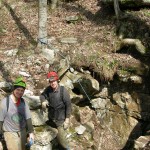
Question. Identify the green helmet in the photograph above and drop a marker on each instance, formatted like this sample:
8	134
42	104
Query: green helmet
19	82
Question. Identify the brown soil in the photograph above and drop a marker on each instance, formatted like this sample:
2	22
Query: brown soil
97	30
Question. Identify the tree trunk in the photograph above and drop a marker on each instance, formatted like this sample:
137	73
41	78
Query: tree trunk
42	35
54	4
129	3
116	8
0	3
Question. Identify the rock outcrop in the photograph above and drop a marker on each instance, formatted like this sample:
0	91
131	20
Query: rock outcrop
106	115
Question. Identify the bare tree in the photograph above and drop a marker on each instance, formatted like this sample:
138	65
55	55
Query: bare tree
117	9
42	33
54	4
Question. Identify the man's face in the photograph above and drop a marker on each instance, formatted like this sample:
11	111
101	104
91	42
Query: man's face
18	92
53	84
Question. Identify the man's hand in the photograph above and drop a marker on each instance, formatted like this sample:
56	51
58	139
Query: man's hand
30	140
31	136
44	105
66	123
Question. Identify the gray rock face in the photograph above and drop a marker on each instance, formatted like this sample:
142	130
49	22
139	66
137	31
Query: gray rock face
104	115
49	55
38	117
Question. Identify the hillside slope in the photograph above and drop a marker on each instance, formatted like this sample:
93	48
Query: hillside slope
96	29
92	45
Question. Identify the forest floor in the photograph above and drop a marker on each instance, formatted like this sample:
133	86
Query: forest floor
97	30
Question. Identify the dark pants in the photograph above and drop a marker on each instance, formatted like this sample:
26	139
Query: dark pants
61	136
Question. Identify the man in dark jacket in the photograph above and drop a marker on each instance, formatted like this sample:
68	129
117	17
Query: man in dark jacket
57	100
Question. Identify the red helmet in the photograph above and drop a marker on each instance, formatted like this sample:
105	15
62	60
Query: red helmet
52	76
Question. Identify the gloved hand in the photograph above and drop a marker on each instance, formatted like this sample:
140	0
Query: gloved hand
66	123
44	105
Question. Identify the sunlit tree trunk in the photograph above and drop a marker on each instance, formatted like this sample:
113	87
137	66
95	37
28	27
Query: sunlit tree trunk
0	3
42	33
116	8
54	4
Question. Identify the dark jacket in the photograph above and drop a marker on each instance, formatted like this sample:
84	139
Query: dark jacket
59	105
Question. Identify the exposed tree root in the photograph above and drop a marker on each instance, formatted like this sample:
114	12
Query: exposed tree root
129	42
